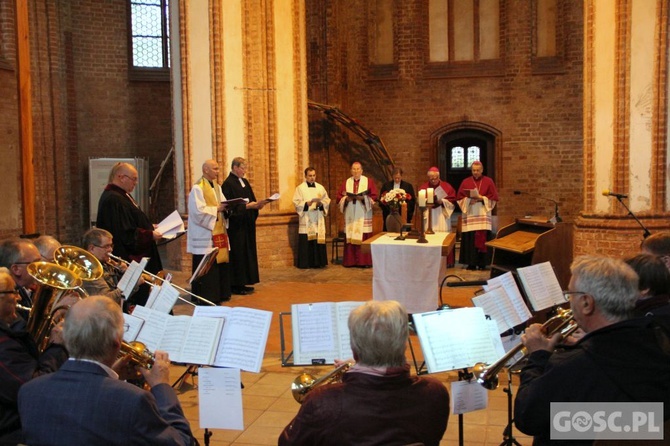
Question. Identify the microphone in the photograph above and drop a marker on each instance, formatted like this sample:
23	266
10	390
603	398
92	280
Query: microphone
556	216
608	193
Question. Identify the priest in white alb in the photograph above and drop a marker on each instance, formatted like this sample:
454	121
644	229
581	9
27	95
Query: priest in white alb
311	202
442	196
355	199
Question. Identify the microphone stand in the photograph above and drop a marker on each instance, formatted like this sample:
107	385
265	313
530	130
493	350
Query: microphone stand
644	228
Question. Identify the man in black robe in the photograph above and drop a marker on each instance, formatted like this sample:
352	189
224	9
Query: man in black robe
133	233
242	229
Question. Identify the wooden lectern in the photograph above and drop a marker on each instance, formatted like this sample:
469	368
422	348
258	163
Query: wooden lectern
529	241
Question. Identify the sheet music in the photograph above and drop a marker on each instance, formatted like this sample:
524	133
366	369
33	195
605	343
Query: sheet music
245	335
314	334
131	276
153	294
343	310
174	333
541	285
134	325
497	304
220	398
454	339
165	299
210	311
201	339
153	327
509	284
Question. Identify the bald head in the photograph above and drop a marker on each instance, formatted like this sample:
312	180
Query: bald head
124	175
210	170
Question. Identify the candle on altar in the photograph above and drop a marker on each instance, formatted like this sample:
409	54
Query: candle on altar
422	198
430	193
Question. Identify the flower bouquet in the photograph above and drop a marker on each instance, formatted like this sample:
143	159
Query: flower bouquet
395	198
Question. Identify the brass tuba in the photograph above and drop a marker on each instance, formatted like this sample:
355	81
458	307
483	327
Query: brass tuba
487	375
81	262
305	382
53	283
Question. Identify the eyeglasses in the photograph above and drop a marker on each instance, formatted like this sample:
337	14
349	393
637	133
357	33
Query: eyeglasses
107	246
133	179
568	294
9	292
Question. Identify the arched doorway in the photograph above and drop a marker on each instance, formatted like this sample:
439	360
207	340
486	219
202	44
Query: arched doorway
459	148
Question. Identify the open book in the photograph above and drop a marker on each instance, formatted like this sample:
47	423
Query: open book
457	339
224	337
503	302
320	332
541	286
171	226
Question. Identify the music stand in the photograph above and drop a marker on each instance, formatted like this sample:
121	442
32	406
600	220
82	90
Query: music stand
508	434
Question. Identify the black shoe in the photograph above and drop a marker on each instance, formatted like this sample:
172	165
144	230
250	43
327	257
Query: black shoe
240	291
471	268
250	289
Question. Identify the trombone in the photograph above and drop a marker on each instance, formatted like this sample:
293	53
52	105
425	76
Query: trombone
304	383
153	278
487	375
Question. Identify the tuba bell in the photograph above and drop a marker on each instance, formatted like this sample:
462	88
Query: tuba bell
79	261
305	383
53	283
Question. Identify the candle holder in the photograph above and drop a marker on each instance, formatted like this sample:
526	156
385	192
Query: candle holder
422	233
430	207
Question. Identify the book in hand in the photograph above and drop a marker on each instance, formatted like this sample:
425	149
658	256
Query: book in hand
320	332
233	337
474	193
503	302
171	226
457	339
237	200
541	286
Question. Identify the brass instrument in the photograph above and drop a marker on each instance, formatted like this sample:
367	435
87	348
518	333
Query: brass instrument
487	375
23	308
54	283
305	382
79	261
138	353
154	279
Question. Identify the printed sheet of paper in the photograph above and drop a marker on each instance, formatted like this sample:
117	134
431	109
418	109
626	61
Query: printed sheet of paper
153	327
131	276
244	337
497	304
541	285
134	325
509	284
171	226
455	339
314	336
164	299
468	396
220	398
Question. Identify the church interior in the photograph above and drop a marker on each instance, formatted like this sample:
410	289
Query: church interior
565	102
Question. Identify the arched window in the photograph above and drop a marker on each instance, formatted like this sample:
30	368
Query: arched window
457	157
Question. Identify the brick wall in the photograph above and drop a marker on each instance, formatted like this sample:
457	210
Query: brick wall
539	116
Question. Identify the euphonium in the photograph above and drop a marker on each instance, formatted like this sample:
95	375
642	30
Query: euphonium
79	261
487	375
54	282
305	382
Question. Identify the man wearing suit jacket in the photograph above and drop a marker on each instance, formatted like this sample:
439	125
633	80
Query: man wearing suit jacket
398	183
84	402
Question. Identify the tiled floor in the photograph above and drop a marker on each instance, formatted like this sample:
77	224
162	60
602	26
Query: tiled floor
267	401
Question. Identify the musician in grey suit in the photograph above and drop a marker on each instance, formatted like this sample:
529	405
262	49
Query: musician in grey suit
84	402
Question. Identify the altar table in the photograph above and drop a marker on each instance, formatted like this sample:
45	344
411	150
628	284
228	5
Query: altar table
407	271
